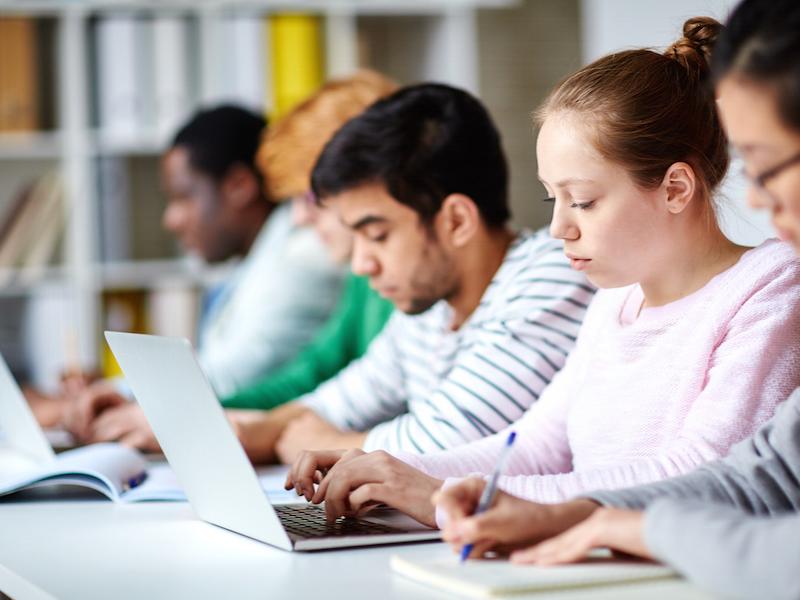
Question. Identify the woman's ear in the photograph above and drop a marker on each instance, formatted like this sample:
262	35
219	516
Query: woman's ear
458	220
239	187
680	184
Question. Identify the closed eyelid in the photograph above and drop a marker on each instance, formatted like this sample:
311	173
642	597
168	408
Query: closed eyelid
586	204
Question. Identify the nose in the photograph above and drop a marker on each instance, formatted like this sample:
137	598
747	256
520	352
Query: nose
562	226
362	261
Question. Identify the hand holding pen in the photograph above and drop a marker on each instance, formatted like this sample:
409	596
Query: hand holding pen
487	497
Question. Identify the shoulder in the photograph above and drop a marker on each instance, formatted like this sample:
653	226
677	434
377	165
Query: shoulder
771	266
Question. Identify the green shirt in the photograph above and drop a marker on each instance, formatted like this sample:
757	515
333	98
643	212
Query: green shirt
358	318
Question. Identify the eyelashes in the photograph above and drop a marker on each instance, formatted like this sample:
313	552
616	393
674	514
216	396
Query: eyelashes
582	205
578	205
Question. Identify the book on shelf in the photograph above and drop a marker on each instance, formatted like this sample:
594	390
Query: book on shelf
124	63
243	64
32	228
50	225
172	82
114	209
491	578
123	310
296	59
19	85
172	310
168	308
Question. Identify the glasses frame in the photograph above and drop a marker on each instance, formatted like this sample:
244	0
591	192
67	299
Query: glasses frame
760	181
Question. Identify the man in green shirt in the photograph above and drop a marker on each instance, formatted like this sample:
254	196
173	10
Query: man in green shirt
286	159
359	316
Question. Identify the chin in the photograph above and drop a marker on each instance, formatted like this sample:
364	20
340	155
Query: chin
416	306
608	281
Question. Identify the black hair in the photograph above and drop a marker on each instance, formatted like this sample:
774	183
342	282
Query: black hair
220	137
761	42
424	142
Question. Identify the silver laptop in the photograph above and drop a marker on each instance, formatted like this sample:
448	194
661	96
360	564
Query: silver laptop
211	466
19	430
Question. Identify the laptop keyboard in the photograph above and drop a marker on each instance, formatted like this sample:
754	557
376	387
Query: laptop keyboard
309	521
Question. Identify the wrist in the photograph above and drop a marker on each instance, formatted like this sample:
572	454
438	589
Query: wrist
258	440
430	513
557	518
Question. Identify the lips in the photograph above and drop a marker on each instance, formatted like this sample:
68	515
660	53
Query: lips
385	292
578	263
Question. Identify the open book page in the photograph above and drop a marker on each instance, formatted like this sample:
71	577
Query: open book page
488	578
13	462
107	468
162	485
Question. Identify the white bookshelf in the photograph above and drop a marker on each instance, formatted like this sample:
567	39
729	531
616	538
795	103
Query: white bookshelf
443	47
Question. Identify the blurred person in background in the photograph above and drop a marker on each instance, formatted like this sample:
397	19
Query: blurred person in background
285	159
275	299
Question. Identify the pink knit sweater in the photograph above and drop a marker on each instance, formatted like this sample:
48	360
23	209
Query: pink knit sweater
652	394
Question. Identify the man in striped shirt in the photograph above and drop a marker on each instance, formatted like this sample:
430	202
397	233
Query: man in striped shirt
486	316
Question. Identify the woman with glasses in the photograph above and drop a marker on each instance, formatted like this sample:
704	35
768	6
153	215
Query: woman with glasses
733	525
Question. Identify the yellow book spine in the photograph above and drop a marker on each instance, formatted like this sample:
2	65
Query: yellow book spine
296	58
125	310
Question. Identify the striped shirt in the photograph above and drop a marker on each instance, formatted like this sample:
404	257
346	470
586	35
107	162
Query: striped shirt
422	387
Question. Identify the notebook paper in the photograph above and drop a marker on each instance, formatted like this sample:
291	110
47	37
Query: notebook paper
492	578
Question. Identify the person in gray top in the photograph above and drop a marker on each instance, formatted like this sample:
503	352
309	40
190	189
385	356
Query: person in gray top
732	526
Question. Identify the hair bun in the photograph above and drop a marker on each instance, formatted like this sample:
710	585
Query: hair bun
693	50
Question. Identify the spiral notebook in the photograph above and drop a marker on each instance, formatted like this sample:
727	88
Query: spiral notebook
496	577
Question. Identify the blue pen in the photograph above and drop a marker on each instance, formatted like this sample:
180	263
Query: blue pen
487	497
134	481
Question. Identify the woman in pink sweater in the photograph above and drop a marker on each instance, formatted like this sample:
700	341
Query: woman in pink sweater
687	349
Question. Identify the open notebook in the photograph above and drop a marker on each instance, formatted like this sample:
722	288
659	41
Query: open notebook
27	461
120	474
491	578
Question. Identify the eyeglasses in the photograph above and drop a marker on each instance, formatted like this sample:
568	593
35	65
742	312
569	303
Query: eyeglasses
760	181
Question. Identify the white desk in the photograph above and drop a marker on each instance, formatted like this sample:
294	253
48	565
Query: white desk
96	549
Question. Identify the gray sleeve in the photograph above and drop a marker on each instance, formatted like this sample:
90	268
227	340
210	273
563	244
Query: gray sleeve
725	552
761	475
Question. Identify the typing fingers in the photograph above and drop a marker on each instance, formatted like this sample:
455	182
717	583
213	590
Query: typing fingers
110	426
307	468
333	470
92	402
367	496
339	484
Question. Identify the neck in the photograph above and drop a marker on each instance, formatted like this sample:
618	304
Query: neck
478	264
698	256
253	221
